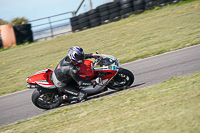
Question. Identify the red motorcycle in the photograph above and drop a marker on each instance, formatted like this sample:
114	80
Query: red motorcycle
46	95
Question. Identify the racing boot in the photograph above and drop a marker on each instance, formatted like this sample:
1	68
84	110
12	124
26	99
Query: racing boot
82	96
64	99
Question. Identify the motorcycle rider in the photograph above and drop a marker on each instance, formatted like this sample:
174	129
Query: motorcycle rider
66	77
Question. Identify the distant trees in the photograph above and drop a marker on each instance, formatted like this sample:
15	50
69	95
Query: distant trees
2	22
15	21
19	21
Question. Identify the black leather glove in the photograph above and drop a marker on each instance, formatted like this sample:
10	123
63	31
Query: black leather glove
95	56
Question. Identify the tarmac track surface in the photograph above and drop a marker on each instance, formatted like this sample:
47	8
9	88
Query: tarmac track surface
149	71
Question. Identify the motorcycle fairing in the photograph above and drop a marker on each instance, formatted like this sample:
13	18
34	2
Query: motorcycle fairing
106	79
85	70
45	84
106	68
42	71
42	78
98	88
87	73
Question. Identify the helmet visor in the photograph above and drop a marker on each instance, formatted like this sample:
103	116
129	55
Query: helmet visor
80	58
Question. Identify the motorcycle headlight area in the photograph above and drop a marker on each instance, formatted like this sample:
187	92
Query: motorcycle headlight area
108	62
117	63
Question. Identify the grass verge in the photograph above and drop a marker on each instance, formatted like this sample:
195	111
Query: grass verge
136	37
172	106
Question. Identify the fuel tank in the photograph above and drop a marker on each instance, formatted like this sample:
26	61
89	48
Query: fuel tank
85	70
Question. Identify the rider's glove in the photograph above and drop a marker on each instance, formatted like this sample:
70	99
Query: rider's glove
95	56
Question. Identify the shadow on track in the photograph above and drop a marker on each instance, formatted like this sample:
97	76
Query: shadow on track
113	92
105	94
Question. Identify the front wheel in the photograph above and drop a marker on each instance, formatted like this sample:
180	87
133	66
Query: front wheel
46	98
122	80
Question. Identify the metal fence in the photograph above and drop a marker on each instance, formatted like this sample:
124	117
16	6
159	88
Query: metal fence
52	26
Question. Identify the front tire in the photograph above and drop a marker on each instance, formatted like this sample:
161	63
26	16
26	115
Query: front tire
122	80
46	98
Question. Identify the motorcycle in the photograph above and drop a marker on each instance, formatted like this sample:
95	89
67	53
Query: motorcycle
46	95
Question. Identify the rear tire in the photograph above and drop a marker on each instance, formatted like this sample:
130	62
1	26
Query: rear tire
46	98
122	80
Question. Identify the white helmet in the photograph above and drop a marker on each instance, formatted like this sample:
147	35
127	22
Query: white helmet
76	54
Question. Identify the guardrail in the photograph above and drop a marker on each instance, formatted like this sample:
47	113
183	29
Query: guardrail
49	27
45	30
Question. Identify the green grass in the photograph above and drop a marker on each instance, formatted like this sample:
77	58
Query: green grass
170	107
139	36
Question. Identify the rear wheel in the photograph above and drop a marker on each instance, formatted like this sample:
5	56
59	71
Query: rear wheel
122	80
46	98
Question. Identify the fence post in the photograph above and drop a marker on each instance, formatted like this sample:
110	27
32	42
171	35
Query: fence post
50	27
79	6
90	4
73	13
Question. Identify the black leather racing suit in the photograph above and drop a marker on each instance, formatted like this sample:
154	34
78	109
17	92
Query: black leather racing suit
66	78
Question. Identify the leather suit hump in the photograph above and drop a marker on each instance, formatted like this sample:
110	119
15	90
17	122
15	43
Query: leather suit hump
62	70
66	71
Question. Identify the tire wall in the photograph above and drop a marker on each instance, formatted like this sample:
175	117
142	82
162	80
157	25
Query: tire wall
114	11
1	42
23	33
